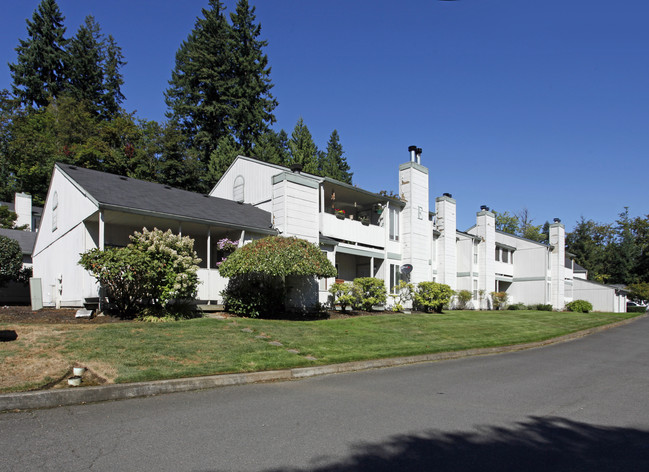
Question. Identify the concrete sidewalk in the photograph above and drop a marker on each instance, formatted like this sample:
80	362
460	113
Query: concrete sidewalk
80	395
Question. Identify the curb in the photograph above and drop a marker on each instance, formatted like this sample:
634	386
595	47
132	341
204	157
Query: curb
65	397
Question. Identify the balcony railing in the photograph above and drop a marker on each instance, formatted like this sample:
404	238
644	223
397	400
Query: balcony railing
351	230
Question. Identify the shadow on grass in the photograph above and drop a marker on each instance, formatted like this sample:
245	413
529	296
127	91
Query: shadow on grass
540	444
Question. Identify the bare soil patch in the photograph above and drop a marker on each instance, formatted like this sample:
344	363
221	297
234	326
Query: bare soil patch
24	314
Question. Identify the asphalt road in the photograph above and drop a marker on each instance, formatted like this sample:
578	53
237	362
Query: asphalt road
577	406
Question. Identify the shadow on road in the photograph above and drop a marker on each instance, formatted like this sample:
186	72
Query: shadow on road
540	444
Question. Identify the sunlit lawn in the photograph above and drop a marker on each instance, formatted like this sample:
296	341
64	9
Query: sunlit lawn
129	352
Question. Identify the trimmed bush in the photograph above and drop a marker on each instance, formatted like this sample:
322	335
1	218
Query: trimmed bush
342	294
463	299
499	300
368	292
636	309
431	296
517	306
540	307
579	306
254	295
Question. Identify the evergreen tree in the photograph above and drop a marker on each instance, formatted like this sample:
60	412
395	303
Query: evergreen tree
272	147
113	80
303	149
177	166
624	252
226	151
590	243
254	104
38	74
334	163
200	96
84	66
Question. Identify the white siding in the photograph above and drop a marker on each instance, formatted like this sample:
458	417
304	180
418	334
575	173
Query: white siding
257	185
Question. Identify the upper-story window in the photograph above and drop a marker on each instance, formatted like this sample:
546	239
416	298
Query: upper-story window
497	253
55	209
237	189
505	257
475	253
394	224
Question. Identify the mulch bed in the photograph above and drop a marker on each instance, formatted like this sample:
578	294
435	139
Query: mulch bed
24	314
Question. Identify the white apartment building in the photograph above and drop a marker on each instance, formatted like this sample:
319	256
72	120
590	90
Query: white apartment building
362	233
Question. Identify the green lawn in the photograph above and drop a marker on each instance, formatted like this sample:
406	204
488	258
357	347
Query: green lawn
130	352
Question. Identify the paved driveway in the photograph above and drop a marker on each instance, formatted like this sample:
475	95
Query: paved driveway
581	405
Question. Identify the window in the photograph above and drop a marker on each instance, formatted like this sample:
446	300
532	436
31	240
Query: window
55	206
237	190
395	276
497	253
475	253
394	224
475	289
505	254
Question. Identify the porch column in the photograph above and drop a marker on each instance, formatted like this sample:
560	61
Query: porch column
371	266
242	237
102	228
322	199
209	263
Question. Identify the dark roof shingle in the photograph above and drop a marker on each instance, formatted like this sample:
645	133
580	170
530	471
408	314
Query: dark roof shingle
132	195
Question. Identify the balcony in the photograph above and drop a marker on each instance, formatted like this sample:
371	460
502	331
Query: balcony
351	230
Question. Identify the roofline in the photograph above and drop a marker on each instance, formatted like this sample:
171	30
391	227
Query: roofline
318	178
136	211
548	246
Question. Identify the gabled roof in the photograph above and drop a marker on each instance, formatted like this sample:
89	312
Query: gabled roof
114	192
25	239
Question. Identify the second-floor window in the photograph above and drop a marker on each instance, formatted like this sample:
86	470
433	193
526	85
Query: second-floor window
394	224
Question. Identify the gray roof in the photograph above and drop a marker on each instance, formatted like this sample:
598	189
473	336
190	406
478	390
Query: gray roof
25	239
120	193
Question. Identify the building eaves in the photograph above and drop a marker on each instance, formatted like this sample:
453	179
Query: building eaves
114	192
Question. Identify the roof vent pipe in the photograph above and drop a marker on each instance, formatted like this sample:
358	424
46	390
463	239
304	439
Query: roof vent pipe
418	155
412	150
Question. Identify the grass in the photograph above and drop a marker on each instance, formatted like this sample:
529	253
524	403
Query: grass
131	352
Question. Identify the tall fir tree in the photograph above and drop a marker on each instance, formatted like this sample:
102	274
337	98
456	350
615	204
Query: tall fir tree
253	101
84	66
303	149
272	147
38	74
199	97
113	79
334	163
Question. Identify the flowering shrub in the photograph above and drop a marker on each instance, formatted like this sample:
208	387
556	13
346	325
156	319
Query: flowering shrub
225	247
154	269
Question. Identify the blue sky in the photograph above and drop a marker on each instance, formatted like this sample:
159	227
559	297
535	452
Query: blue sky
535	104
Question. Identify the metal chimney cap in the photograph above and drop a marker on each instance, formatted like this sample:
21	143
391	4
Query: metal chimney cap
557	220
447	195
484	207
412	148
297	167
